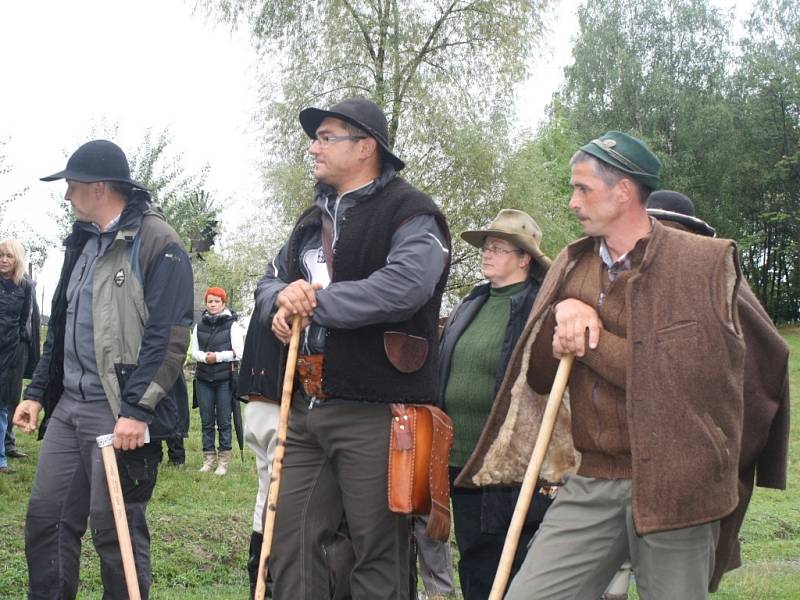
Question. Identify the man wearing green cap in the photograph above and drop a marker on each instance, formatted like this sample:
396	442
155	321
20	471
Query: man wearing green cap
650	449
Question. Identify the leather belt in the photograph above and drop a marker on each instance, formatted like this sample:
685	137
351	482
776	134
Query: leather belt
260	398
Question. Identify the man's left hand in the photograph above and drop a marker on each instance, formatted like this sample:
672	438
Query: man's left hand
573	320
129	434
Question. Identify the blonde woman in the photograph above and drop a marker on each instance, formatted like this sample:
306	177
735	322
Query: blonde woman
15	305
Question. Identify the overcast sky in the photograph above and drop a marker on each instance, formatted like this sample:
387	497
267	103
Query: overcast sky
70	65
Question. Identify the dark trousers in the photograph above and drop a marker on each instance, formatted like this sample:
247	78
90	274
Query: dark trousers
336	464
9	439
69	489
214	400
481	518
175	450
14	393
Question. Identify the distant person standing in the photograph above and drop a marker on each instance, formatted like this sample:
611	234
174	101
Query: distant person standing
217	342
15	304
113	362
28	359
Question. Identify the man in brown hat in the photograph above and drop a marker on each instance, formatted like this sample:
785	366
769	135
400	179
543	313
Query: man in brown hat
364	266
655	392
765	425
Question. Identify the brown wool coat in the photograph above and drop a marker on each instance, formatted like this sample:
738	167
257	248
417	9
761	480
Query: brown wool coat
683	386
765	436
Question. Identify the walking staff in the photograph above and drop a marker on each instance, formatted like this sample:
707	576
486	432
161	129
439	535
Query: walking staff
106	445
277	461
531	477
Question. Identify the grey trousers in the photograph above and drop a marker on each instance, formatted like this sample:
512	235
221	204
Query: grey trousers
588	533
435	561
336	465
69	489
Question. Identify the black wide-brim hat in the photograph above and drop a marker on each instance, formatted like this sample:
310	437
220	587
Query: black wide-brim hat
98	160
360	112
667	205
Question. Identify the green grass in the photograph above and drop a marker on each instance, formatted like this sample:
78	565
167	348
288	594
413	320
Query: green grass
199	523
200	526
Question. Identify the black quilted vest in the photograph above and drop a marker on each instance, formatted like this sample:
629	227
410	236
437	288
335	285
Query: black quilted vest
214	335
356	365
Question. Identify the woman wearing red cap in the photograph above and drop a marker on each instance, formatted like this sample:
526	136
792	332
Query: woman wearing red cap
217	342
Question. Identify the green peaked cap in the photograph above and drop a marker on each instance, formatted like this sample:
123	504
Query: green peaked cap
628	154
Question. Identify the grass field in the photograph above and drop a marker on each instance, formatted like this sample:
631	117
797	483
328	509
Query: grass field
200	526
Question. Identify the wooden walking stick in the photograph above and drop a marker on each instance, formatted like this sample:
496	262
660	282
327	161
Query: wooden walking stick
277	461
106	445
531	478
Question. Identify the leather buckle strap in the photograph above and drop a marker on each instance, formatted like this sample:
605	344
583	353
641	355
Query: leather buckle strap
309	375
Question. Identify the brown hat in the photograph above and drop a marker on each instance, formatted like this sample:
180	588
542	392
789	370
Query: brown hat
514	226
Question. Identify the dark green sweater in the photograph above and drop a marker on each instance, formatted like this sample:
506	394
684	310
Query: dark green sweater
473	371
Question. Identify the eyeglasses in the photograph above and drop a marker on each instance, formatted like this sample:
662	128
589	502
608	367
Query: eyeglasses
327	140
495	249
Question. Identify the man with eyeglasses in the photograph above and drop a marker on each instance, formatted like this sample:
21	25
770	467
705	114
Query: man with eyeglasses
364	268
655	393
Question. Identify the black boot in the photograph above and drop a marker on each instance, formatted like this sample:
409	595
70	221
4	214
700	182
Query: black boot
256	539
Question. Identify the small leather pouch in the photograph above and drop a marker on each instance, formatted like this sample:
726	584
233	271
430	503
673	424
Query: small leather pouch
309	375
407	353
419	451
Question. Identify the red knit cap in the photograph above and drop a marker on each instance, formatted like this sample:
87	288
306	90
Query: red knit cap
216	291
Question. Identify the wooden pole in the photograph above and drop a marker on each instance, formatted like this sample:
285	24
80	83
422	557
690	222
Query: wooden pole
106	445
277	461
531	478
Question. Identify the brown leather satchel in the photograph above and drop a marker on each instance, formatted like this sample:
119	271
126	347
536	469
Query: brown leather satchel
419	452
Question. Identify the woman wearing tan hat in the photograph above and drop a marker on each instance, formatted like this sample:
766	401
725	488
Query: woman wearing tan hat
476	345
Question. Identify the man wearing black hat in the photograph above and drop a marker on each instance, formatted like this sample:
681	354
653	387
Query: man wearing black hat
765	434
365	268
650	448
112	362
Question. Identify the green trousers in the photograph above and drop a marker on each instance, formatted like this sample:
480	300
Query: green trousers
588	533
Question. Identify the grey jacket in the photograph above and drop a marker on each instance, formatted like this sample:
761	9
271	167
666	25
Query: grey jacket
120	321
